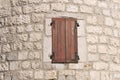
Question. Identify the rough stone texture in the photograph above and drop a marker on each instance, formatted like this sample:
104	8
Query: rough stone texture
26	43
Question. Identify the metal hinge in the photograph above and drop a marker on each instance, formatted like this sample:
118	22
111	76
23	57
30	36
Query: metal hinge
51	24
76	56
77	24
52	56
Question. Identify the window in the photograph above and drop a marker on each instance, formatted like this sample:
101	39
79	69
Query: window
64	40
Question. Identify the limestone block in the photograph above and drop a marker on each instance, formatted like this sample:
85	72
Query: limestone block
5	8
23	37
6	48
42	8
107	31
27	9
28	45
117	24
16	10
22	55
12	56
109	21
103	39
82	75
94	29
52	74
25	65
35	36
72	8
102	4
34	1
91	38
25	75
86	9
67	72
93	57
105	75
34	54
1	76
92	2
114	67
38	27
29	28
37	17
112	50
39	74
82	52
81	28
106	12
78	1
105	57
4	66
36	64
58	66
92	19
20	29
38	45
58	7
94	75
14	65
100	65
114	42
102	48
92	48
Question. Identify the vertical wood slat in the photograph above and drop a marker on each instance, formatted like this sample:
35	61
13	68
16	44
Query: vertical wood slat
58	40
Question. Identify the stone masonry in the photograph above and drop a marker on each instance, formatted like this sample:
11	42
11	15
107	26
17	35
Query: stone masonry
25	39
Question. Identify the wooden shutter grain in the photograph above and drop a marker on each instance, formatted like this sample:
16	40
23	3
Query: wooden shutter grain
58	40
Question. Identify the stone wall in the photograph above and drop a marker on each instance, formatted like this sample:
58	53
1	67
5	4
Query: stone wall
25	39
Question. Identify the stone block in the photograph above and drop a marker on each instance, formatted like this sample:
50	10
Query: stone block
92	2
29	28
86	9
52	74
76	66
22	55
94	75
105	57
20	29
105	75
34	1
93	57
37	64
58	6
82	75
92	19
4	66
67	72
94	29
100	66
42	8
39	74
25	65
102	4
114	42
37	17
78	1
107	31
23	37
72	8
28	45
114	67
16	10
25	75
109	21
112	50
91	38
38	27
106	12
27	9
103	39
102	48
6	48
35	36
14	65
92	48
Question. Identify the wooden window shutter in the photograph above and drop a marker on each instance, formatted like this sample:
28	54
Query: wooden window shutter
64	40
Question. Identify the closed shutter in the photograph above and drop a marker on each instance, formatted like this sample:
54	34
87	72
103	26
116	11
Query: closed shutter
64	40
